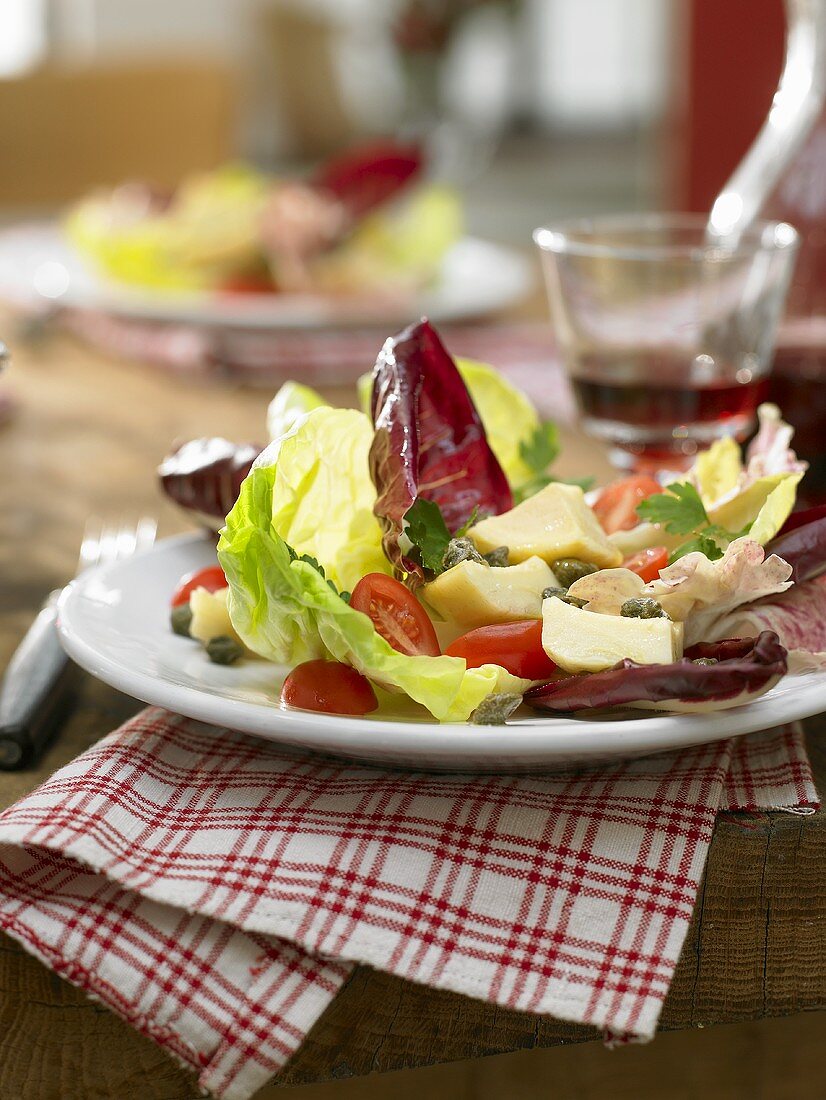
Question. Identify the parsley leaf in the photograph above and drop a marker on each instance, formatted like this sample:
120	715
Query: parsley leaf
469	522
679	509
681	512
711	541
585	483
541	449
319	568
425	526
538	453
703	543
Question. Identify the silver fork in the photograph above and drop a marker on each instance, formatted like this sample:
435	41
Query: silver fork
31	688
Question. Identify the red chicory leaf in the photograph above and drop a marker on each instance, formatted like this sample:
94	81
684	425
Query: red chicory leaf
370	175
803	547
801	518
204	477
429	441
745	666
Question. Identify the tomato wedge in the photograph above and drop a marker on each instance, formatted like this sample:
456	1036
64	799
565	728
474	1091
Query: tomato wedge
648	563
253	282
328	686
616	505
515	646
212	578
397	615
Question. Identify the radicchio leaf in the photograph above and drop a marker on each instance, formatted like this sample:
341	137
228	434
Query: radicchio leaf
364	178
803	546
744	668
429	441
801	518
204	477
798	617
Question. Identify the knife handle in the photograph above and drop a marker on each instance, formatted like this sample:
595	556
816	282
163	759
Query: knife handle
31	689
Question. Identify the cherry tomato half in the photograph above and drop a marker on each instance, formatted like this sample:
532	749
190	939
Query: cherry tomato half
648	563
397	615
248	283
515	646
328	686
616	505
212	578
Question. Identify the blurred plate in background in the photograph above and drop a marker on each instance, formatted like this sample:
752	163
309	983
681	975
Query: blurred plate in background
39	268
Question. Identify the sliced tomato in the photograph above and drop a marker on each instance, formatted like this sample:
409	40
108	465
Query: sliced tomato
616	505
212	578
328	686
397	615
515	646
249	283
648	563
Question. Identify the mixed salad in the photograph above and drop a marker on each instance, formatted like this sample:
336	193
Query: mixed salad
422	545
363	221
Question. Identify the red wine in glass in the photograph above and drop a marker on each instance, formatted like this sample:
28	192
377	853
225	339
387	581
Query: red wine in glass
659	407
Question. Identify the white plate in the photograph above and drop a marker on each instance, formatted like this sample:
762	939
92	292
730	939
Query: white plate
37	264
114	621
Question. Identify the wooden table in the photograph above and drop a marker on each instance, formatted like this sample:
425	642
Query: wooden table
87	437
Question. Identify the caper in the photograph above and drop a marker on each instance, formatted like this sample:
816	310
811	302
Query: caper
180	619
498	558
705	661
562	594
496	709
568	570
459	550
223	650
643	607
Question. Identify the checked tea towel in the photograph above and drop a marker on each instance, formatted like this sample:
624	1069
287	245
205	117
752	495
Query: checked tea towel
216	890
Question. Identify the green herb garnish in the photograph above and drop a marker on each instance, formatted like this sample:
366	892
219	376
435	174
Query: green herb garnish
319	568
541	449
538	453
681	512
679	509
425	526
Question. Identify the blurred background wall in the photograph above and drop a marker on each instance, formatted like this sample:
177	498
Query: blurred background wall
564	106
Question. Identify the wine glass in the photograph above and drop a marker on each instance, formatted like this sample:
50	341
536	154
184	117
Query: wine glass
666	335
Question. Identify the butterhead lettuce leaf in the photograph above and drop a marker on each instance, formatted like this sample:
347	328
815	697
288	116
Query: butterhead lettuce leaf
322	499
284	610
289	405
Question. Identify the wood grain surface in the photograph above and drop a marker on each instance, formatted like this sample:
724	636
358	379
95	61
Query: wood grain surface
86	439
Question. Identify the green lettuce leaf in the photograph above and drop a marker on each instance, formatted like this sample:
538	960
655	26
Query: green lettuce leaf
323	498
284	610
289	405
761	508
209	232
511	422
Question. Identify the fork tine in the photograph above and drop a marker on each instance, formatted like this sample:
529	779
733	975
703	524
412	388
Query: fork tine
107	542
125	541
90	544
145	533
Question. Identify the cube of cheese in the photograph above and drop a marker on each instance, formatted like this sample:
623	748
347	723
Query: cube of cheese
210	616
579	640
472	594
554	523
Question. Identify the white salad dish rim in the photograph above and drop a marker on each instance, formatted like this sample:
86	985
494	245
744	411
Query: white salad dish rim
113	621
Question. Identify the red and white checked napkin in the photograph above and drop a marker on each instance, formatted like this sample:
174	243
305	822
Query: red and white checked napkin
216	890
